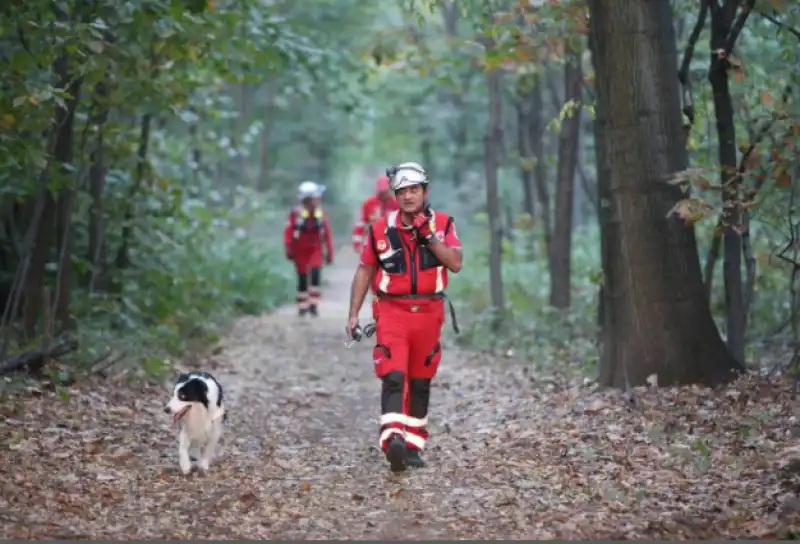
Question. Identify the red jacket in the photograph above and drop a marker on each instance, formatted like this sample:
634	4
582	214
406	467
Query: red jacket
371	209
305	234
407	268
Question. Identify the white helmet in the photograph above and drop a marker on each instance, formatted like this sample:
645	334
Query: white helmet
309	189
406	175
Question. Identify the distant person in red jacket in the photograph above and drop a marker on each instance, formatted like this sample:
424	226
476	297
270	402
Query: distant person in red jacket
374	206
407	256
307	232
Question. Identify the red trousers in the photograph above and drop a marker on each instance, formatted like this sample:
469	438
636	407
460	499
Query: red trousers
306	258
406	358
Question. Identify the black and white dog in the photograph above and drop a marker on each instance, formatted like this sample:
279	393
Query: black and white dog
196	404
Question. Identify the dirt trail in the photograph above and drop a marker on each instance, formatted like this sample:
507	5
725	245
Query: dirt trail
507	460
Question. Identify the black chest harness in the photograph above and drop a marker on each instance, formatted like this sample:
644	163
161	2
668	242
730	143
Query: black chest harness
395	263
306	222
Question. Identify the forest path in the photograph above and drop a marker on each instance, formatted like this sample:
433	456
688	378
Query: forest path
509	457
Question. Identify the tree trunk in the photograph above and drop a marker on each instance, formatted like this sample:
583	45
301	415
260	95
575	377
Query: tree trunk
586	198
537	128
569	137
41	228
264	142
722	20
263	159
458	126
656	318
196	141
459	135
524	104
426	149
494	138
98	246
97	181
122	260
11	251
41	234
603	202
243	124
63	153
508	224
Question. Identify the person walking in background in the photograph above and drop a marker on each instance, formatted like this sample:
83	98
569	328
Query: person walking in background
306	237
374	206
407	256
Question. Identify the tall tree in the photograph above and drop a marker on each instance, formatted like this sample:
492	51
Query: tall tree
540	173
493	146
569	137
725	29
525	88
458	127
656	320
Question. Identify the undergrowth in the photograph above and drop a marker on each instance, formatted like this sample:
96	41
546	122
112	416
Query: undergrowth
194	269
532	331
541	335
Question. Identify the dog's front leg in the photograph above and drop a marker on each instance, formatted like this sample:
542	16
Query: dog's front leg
184	460
208	449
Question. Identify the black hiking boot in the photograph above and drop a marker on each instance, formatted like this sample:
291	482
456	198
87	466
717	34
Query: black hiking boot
396	453
414	460
313	310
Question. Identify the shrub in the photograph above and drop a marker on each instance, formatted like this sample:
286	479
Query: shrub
536	332
193	271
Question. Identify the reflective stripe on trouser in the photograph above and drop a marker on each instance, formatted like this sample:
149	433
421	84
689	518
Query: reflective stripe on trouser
391	424
412	429
314	296
419	395
393	417
404	404
302	300
416	433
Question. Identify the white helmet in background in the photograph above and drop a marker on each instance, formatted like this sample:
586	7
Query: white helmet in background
406	175
308	189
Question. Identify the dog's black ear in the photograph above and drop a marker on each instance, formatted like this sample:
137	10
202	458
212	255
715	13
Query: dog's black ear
184	377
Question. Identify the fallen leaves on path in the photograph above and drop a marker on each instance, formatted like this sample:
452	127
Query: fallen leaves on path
684	463
513	455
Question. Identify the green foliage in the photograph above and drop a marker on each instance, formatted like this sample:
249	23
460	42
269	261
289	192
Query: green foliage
544	336
195	271
534	331
192	128
763	67
192	108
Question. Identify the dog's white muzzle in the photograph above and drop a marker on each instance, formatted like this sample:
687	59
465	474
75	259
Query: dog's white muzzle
178	409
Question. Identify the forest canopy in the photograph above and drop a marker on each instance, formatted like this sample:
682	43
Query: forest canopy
137	136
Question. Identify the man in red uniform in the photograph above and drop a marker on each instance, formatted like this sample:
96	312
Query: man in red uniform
373	207
407	255
307	230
